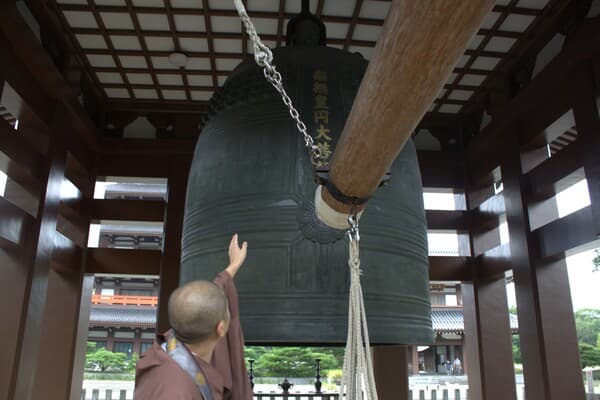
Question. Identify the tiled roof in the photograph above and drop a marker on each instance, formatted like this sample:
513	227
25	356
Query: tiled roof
135	317
447	320
444	319
451	320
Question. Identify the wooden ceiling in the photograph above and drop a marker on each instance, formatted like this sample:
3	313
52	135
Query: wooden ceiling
124	45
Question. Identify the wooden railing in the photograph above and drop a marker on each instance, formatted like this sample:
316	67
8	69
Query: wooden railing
107	394
295	396
125	300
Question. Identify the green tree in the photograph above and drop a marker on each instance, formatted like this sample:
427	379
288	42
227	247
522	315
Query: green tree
297	362
90	347
129	365
337	352
589	355
516	349
255	352
596	260
104	359
587	322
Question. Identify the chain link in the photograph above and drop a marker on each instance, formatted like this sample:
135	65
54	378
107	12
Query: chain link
353	232
264	58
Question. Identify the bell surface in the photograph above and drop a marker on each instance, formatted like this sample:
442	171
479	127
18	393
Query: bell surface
251	174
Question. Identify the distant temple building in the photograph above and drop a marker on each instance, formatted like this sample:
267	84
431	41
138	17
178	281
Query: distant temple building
123	313
123	319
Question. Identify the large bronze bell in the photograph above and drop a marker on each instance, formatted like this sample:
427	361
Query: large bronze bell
251	174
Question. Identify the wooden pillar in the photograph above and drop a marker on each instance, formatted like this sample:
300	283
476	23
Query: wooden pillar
12	298
465	362
171	256
585	109
41	241
58	335
546	323
60	328
487	340
16	258
85	307
390	367
414	353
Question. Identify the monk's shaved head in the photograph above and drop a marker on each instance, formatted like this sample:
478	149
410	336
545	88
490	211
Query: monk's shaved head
195	309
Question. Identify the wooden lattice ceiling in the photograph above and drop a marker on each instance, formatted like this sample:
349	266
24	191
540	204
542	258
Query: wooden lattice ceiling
124	44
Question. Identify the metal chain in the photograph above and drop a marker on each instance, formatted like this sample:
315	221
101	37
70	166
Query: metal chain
353	232
358	364
264	58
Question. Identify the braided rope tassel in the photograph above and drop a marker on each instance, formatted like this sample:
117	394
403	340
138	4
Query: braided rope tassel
358	380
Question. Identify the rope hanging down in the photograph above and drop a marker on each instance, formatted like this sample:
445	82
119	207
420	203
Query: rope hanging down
358	382
357	375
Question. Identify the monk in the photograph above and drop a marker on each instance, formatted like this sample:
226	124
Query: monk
202	356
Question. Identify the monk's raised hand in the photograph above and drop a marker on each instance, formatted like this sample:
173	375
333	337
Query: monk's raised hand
237	255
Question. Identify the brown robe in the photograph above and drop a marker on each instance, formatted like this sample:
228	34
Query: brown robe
158	377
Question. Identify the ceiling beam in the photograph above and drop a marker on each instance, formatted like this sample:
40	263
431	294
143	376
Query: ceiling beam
445	268
567	233
127	210
123	261
447	220
547	179
13	222
546	91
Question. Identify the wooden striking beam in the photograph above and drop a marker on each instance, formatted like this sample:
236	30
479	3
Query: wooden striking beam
127	210
123	261
382	119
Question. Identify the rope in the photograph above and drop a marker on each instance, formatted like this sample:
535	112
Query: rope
358	382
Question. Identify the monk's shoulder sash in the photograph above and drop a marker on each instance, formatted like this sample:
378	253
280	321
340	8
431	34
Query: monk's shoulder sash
182	356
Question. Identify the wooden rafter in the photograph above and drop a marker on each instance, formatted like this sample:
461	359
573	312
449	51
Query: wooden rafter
458	96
